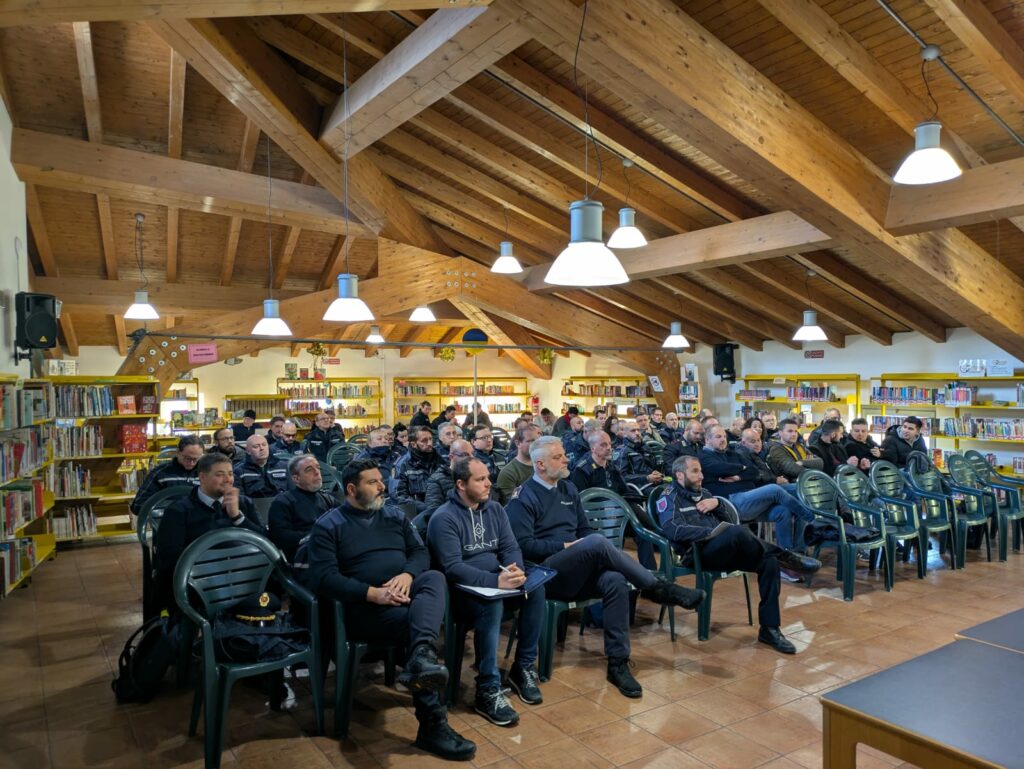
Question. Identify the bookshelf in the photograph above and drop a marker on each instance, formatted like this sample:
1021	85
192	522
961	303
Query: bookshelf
809	394
183	391
357	401
26	426
503	398
100	453
588	392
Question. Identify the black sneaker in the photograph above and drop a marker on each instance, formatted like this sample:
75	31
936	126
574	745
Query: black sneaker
664	592
774	638
436	736
423	672
494	706
526	683
801	564
620	675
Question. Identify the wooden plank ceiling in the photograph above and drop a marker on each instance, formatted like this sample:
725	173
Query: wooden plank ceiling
466	127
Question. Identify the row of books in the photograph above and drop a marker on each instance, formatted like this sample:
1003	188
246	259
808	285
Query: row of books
192	418
312	407
448	389
326	390
689	391
408	390
755	394
977	427
267	405
77	441
903	396
605	391
72	480
73	521
18	557
880	424
131	475
21	407
20	506
959	395
816	394
24	451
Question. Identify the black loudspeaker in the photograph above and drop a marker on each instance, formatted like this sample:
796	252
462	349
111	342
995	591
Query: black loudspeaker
36	327
725	366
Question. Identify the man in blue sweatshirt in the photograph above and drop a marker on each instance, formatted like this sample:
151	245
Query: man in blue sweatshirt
370	558
552	528
472	541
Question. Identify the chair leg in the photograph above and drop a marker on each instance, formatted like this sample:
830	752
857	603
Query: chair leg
316	686
889	564
849	571
211	708
224	696
988	542
547	642
197	706
671	620
345	686
1004	534
704	611
1018	526
922	552
661	614
457	655
512	634
746	592
961	543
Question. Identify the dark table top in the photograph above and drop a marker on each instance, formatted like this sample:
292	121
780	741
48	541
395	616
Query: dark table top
1006	632
966	696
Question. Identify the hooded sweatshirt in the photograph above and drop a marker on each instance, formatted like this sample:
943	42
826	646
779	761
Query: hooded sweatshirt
472	544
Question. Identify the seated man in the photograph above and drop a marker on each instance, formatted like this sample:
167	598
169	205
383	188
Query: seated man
726	475
552	529
408	485
596	469
472	542
519	468
564	423
647	431
574	439
829	447
369	557
275	426
180	471
447	415
293	512
246	428
669	429
483	449
831	414
260	475
787	457
323	437
861	445
751	450
440	483
688	444
447	433
224	443
378	448
286	443
688	513
735	431
631	460
215	503
900	441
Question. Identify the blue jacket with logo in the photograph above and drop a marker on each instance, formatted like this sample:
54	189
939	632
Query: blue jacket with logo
543	520
471	546
259	482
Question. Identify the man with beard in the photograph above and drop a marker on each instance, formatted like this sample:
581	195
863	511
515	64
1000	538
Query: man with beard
408	484
647	431
370	558
483	449
286	443
378	448
260	475
688	444
900	441
472	541
631	460
224	444
293	512
553	530
690	515
574	440
519	468
441	482
322	438
670	428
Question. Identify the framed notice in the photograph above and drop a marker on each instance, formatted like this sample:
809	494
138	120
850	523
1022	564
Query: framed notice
656	384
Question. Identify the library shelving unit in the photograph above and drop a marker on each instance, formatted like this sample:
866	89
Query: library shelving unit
183	391
265	405
960	412
100	452
183	396
26	425
356	401
588	392
503	398
688	405
812	394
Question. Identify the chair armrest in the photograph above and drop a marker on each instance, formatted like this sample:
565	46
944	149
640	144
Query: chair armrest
967	490
870	512
833	518
294	588
906	504
1017	482
931	495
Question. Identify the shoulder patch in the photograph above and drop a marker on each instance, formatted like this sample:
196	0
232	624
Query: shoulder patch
662	504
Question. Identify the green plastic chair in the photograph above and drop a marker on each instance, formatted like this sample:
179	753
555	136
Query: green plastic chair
820	494
339	456
936	512
148	521
347	656
655	453
963	475
901	521
671	564
166	455
967	505
502	440
360	440
217	571
1011	517
331	478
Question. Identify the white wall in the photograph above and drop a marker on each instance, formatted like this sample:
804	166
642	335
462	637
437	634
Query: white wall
13	266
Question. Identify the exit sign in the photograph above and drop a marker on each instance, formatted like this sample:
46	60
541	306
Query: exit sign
814	353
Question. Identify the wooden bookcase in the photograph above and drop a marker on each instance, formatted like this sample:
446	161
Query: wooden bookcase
503	398
357	401
783	392
587	392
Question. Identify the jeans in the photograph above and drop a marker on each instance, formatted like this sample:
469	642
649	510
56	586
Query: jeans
484	617
778	505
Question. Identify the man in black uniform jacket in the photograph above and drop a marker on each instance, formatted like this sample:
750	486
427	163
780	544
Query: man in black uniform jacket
293	512
260	475
180	471
447	433
631	460
483	449
247	427
322	438
286	442
441	482
408	483
688	444
369	557
552	529
224	443
422	416
215	503
688	514
448	415
378	448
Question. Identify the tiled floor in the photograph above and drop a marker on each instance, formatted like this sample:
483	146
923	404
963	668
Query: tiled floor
726	703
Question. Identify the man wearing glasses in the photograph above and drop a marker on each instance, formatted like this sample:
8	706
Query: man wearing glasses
286	442
180	471
483	449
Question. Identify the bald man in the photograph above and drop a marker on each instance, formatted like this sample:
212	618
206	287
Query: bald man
259	474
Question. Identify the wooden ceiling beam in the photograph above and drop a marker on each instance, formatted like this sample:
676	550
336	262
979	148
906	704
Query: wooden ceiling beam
21	12
65	163
87	76
304	49
448	337
172	244
284	260
604	309
246	159
47	261
107	236
450	48
503	331
647	302
763	237
356	30
120	334
722	105
176	111
417	334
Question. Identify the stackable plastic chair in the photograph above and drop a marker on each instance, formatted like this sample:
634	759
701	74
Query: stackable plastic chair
347	656
339	456
148	521
927	482
1005	516
936	512
1011	518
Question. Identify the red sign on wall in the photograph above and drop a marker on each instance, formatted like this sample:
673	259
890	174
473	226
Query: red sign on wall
332	361
202	353
814	353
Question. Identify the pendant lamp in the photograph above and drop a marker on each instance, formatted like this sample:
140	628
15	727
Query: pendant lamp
422	314
271	324
506	263
141	309
375	336
348	307
675	339
627	235
586	261
810	331
928	163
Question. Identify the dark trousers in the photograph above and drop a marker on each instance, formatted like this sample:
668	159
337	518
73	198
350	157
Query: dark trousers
484	617
417	622
595	568
738	548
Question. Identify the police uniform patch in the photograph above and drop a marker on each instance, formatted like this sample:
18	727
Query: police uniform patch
662	504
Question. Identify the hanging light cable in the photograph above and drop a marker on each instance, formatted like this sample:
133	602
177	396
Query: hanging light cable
929	163
348	307
271	324
141	309
506	263
627	235
810	331
586	261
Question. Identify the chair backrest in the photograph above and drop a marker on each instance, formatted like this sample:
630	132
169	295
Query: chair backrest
284	456
818	492
152	511
607	513
501	438
166	455
887	479
331	478
342	454
925	475
655	453
359	439
223	567
962	472
853	484
981	466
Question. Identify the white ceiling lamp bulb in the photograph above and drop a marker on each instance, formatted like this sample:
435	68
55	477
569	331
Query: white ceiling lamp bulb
627	235
422	314
586	261
928	163
675	339
141	309
348	307
375	336
506	263
810	331
271	324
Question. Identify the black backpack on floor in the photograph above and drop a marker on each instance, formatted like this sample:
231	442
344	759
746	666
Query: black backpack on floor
144	661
